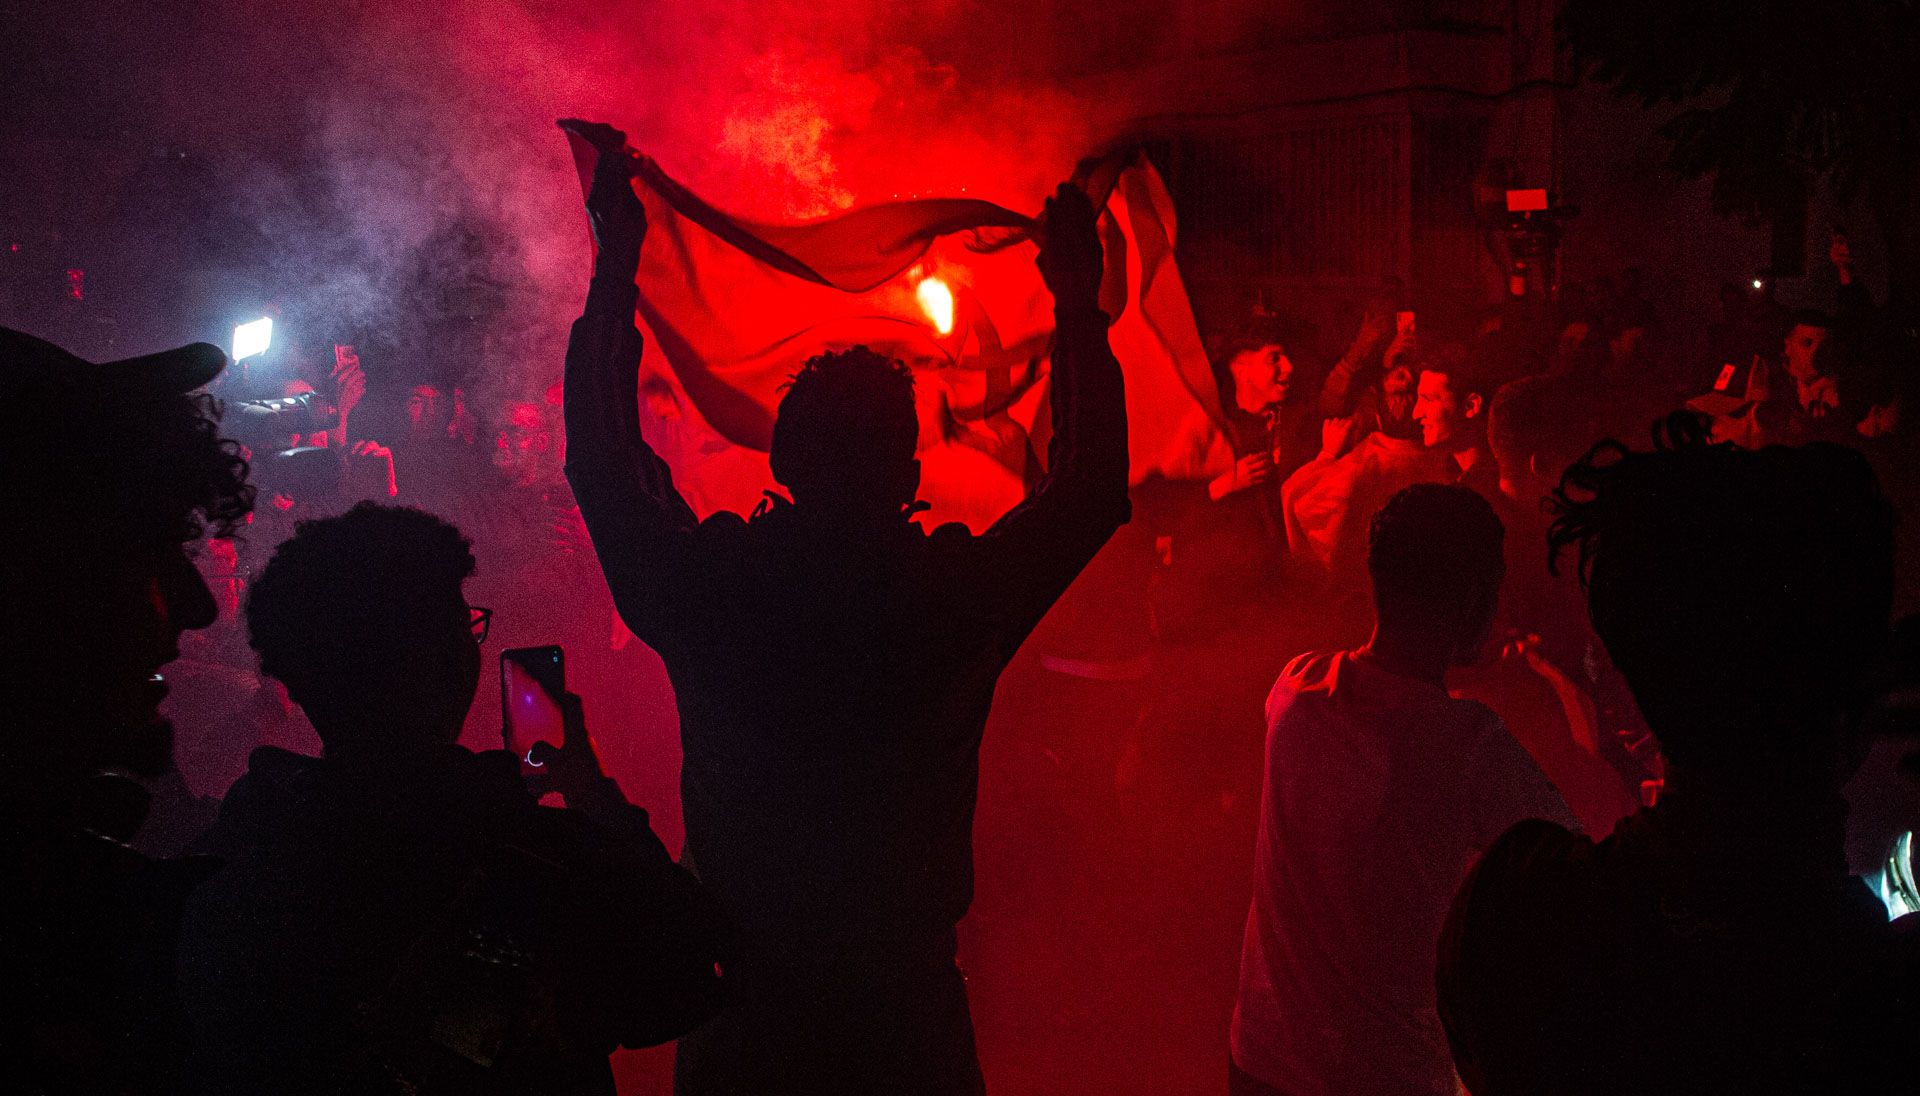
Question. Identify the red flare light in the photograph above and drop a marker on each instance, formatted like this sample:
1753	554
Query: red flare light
936	300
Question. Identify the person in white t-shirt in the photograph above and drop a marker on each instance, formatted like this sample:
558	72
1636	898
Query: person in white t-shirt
1379	790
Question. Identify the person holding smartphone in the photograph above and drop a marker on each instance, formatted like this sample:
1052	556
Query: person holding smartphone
400	909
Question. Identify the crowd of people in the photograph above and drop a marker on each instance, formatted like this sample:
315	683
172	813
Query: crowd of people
1553	793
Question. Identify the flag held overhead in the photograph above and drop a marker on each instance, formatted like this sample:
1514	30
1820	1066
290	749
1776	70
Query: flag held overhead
948	286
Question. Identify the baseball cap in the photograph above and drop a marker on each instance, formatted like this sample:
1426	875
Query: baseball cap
28	363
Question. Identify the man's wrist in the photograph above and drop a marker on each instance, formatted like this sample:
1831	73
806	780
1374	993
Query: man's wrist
620	256
614	287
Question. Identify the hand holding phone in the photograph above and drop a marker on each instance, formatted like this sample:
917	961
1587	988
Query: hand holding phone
533	680
546	728
573	770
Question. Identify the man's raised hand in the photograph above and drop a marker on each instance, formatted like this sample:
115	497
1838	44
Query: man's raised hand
1070	259
606	139
619	220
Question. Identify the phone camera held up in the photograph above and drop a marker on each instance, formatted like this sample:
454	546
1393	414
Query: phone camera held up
532	681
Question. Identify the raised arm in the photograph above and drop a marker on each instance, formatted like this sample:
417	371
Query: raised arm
1341	390
1041	544
642	529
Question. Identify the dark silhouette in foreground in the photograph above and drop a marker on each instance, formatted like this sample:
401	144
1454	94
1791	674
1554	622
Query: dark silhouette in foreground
1378	790
1714	942
400	915
109	474
834	665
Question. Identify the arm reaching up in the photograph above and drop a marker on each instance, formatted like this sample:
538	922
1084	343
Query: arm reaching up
642	528
1044	542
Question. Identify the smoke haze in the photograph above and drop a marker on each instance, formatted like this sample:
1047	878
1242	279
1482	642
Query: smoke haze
390	173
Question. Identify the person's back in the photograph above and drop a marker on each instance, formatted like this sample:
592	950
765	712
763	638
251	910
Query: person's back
832	690
400	914
834	665
334	872
1379	788
1714	942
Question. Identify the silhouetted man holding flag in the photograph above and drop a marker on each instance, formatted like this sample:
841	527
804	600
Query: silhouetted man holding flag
834	665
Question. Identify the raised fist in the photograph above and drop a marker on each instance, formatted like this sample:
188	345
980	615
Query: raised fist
1071	261
619	220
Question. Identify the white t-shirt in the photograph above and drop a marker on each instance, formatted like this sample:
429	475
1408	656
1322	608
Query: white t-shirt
1379	790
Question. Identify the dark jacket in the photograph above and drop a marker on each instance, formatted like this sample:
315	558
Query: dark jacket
86	973
833	682
1692	951
420	917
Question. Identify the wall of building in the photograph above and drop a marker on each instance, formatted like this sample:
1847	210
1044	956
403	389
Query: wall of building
1318	152
1338	150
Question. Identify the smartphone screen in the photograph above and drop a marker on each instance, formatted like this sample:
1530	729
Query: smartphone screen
532	679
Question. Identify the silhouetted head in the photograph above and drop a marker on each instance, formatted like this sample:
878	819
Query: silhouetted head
1435	554
1526	424
109	475
1744	594
361	616
846	433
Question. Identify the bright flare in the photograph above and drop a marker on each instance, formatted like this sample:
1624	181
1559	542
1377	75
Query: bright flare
936	300
252	338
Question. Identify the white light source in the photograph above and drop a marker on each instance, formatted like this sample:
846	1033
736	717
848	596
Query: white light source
936	300
252	338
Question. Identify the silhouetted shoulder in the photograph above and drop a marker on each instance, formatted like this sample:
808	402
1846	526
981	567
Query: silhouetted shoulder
1534	849
954	550
950	533
722	523
723	535
1513	910
1508	957
1904	934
